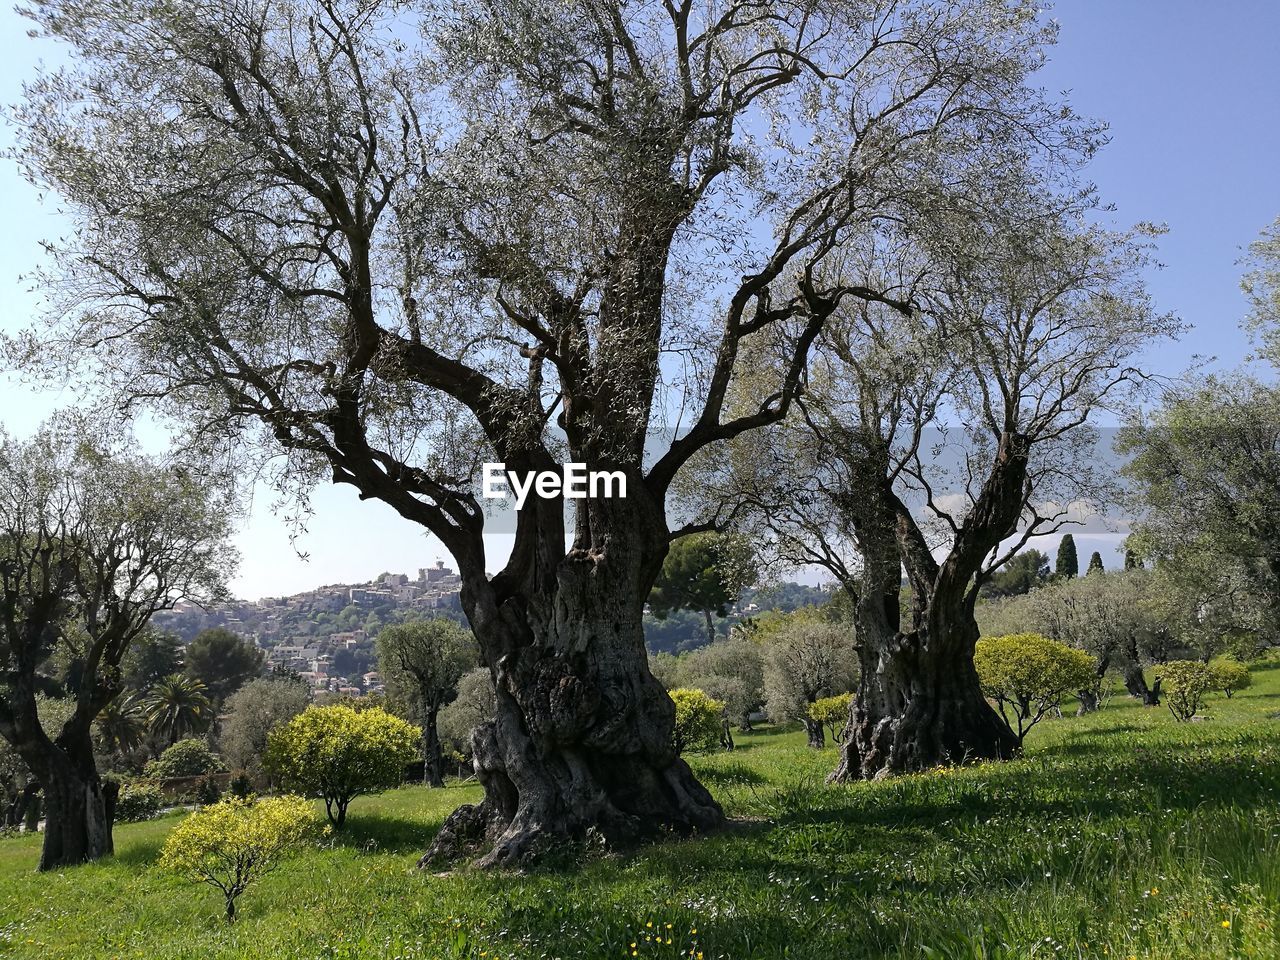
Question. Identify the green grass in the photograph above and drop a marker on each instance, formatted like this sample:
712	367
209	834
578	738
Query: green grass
1121	834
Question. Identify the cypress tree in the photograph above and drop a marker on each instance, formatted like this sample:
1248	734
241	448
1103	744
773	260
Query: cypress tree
1095	564
1068	563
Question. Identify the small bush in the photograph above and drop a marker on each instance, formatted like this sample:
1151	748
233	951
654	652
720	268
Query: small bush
1229	676
338	753
699	720
138	801
207	790
1185	683
230	844
241	784
186	758
832	713
1027	675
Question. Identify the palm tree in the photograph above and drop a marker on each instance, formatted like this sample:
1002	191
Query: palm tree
177	706
122	725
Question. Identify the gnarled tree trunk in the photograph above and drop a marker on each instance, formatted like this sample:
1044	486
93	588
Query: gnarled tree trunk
1135	682
816	733
919	702
582	740
78	806
433	758
919	706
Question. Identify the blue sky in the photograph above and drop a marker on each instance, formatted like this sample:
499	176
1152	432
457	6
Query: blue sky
1192	93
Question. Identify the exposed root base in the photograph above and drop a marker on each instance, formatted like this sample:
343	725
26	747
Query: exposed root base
613	804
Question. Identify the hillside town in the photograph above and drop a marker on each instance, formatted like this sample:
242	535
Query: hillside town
326	635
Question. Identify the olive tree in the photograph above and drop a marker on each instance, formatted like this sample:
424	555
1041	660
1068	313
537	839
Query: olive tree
93	542
394	241
426	659
939	441
805	662
253	712
1204	468
734	667
1115	617
473	707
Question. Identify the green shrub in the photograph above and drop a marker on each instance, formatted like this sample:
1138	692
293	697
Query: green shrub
138	801
230	844
186	758
338	753
1027	675
1229	675
207	790
1184	685
241	784
699	720
832	713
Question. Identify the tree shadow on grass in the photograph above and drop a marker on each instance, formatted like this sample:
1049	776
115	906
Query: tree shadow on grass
138	853
733	774
385	834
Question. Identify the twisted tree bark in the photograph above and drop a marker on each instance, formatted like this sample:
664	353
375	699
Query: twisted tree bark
582	740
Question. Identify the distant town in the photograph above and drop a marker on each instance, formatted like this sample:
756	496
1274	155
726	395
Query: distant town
326	635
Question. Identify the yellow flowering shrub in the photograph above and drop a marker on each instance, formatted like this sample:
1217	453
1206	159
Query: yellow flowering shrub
338	753
1184	686
1229	675
1027	675
230	844
832	713
699	720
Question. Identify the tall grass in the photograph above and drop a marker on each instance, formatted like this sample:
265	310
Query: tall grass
1122	834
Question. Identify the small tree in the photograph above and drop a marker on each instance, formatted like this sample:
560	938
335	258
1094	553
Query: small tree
232	843
1229	676
1068	561
736	658
1027	675
423	660
223	661
699	720
1095	564
476	703
94	541
186	758
804	662
253	712
338	754
832	713
1185	684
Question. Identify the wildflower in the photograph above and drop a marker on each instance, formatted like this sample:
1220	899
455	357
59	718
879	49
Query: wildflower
1226	924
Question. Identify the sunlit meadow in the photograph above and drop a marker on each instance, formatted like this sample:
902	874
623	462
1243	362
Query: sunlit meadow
1120	835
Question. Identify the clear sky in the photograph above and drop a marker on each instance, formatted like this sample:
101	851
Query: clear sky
1192	93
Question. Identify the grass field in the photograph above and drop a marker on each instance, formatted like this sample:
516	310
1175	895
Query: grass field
1120	835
